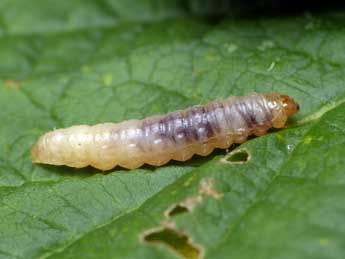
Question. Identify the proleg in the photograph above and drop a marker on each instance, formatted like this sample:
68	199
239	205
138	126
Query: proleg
158	139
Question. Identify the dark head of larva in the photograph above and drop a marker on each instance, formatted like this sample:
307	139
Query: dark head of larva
290	105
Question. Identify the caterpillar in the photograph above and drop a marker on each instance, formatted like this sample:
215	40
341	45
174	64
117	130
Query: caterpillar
158	139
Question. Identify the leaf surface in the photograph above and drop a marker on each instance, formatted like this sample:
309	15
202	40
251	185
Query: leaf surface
86	62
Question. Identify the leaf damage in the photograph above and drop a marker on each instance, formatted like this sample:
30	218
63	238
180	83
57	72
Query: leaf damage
12	84
207	189
168	234
180	243
183	207
238	156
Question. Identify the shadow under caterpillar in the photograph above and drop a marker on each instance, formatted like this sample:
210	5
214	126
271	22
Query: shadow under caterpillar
158	139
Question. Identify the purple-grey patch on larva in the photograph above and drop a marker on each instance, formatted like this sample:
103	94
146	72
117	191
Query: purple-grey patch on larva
185	129
188	129
192	125
208	128
228	116
163	132
250	110
181	131
151	129
199	123
220	118
212	116
172	124
247	114
212	124
157	128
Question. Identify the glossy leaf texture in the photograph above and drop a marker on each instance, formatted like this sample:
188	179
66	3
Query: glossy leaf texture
87	62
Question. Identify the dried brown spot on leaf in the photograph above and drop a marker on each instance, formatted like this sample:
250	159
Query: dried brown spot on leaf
207	189
12	84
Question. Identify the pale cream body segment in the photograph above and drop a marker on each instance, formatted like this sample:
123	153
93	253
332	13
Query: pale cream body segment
156	140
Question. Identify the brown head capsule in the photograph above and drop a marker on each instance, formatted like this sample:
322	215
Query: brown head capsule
289	104
156	140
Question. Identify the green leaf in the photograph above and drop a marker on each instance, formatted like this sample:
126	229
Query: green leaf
86	62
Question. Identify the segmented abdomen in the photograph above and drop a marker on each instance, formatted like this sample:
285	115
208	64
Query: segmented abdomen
156	140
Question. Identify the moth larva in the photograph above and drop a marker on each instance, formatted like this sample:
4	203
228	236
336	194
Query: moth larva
158	139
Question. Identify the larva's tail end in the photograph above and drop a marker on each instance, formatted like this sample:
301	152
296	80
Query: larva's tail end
290	105
35	154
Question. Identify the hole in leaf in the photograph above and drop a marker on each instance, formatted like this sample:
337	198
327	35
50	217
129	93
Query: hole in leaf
177	209
177	241
182	207
240	156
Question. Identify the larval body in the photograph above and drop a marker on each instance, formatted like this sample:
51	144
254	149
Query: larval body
158	139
